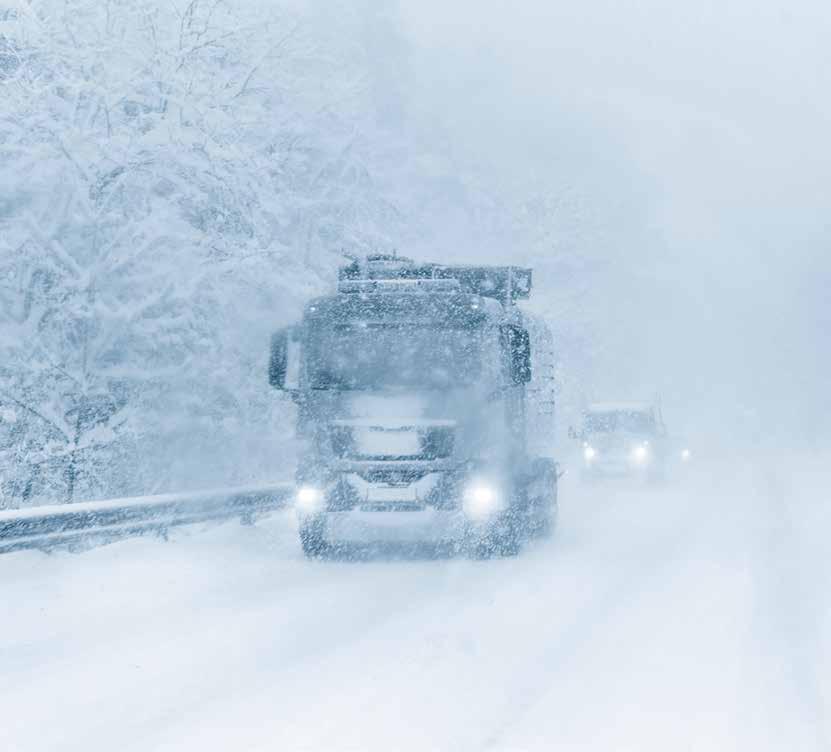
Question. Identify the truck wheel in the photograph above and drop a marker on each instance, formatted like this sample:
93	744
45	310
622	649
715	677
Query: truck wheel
508	544
543	492
549	521
502	541
312	541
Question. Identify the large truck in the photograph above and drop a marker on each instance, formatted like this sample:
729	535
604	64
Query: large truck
410	383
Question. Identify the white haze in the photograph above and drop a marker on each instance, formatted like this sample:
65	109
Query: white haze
177	178
663	168
686	147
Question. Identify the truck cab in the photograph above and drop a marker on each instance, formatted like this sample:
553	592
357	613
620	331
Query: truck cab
410	383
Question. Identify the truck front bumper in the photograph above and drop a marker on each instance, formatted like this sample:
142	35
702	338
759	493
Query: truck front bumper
426	525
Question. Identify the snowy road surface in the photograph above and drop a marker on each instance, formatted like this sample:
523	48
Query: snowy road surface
686	618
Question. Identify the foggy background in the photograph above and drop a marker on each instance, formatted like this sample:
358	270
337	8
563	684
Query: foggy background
179	177
684	149
178	181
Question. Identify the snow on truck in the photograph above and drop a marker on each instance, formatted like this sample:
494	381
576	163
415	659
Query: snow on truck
412	384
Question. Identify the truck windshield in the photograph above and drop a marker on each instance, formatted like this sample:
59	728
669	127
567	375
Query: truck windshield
629	421
371	356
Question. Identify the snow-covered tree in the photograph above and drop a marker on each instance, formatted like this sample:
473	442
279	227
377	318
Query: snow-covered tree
175	179
175	175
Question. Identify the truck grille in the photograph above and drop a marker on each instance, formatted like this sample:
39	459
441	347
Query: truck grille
392	506
393	477
369	443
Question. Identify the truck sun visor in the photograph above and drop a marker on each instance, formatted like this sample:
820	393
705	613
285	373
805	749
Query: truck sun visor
504	283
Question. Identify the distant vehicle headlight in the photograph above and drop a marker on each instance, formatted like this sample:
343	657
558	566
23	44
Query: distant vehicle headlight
309	499
685	455
589	453
640	454
481	500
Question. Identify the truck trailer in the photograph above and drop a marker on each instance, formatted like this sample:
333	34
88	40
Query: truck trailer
411	385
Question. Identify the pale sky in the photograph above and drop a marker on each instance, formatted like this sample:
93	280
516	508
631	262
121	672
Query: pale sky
700	130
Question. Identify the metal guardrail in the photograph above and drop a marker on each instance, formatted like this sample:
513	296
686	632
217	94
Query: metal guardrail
95	522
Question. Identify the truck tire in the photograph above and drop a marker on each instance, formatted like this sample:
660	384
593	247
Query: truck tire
312	541
543	511
503	540
508	543
550	521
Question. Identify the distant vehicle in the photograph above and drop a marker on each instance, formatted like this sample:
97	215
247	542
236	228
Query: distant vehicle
624	439
411	383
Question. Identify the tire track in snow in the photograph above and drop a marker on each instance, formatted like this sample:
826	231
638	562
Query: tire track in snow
187	658
594	618
790	590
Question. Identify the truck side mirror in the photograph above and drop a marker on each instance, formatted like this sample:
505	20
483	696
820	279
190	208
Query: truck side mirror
284	361
519	347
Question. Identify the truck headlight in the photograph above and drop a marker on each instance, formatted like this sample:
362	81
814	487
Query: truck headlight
640	454
309	500
481	501
589	453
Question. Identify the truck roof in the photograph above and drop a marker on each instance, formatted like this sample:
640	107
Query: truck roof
506	284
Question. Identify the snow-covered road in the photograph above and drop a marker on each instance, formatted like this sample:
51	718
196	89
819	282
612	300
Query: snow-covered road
695	617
